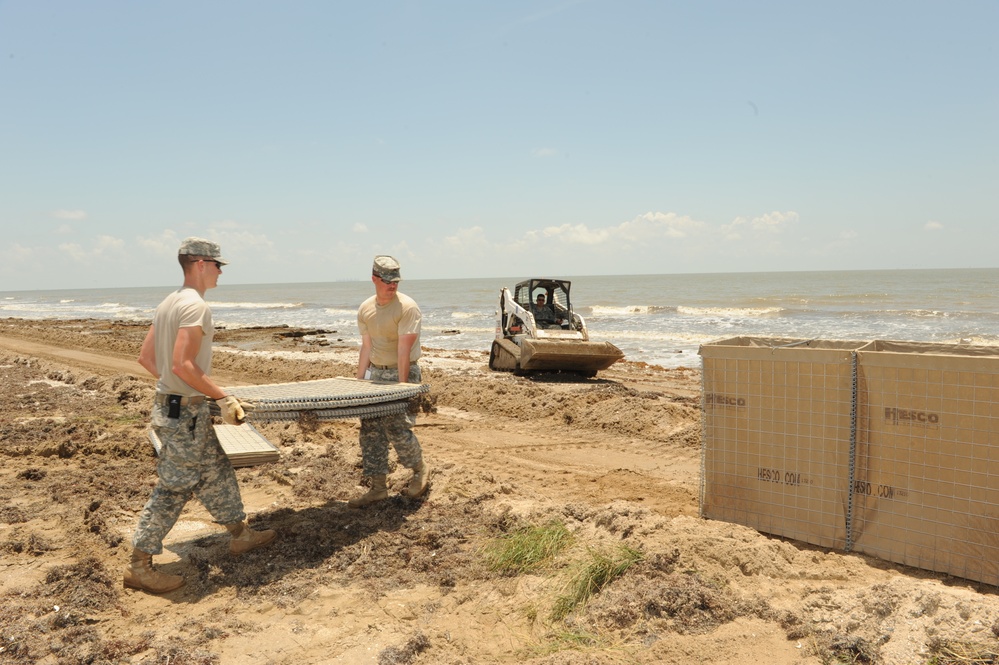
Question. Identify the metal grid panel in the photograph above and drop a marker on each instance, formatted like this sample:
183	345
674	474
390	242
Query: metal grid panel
367	411
332	393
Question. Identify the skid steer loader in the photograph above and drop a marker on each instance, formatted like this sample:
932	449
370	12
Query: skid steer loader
536	330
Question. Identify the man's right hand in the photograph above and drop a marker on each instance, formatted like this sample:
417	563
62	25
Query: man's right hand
234	410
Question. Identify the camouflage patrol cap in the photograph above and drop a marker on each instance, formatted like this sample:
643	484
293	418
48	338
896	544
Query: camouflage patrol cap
200	247
386	269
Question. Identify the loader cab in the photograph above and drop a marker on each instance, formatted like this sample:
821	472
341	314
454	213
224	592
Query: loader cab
556	297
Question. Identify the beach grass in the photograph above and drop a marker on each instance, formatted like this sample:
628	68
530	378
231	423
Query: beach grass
591	575
527	548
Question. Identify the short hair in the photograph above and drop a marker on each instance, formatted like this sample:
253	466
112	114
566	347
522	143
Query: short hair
187	260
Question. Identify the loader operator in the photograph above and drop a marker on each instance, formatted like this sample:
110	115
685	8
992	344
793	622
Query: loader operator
544	315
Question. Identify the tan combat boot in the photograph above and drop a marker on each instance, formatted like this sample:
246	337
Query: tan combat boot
140	574
378	492
418	483
245	539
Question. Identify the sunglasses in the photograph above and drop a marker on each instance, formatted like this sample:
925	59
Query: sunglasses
218	264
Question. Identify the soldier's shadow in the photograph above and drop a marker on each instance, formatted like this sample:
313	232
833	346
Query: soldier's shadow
320	536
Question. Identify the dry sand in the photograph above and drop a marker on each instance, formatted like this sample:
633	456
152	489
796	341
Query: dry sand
614	459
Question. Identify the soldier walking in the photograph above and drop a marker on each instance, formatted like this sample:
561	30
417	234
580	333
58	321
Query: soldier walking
177	350
389	323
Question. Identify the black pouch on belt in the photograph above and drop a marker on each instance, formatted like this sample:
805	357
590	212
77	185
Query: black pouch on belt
173	401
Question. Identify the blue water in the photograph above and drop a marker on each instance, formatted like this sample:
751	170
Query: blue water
658	319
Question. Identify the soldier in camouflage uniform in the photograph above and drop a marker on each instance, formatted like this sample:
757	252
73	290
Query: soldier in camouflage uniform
389	323
544	315
177	350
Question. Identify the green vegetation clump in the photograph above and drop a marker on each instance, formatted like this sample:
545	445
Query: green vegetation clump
592	575
528	548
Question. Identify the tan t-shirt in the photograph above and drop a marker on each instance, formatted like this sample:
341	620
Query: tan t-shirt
184	308
386	323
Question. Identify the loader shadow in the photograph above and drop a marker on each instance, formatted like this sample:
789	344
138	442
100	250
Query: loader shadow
559	376
317	537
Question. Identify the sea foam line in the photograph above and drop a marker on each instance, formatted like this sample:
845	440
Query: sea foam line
735	312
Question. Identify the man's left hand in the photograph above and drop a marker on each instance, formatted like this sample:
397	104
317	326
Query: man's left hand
234	410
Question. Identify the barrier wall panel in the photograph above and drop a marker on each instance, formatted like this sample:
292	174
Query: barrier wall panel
927	458
777	429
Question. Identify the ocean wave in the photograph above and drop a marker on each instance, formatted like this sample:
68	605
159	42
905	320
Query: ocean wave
923	313
667	337
467	315
479	330
605	310
730	312
976	340
257	305
67	307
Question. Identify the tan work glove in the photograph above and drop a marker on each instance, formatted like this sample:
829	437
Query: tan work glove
234	410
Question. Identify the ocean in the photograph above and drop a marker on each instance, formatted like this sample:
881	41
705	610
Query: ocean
657	319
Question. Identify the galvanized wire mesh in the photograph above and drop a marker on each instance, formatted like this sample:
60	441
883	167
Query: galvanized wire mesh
365	411
324	394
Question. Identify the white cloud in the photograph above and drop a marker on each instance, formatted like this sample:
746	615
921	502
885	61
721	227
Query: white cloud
106	244
239	243
69	214
774	222
642	229
651	238
164	244
74	251
101	249
18	260
771	222
733	231
17	252
360	228
658	225
933	226
544	152
65	230
578	234
467	239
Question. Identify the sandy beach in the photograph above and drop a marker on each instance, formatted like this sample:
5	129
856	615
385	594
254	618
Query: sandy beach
613	460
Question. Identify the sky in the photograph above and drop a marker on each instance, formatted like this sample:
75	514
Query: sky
494	139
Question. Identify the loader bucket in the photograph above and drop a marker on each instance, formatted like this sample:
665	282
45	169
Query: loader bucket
568	355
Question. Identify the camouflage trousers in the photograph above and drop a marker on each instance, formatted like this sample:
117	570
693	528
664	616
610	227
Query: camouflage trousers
191	463
396	429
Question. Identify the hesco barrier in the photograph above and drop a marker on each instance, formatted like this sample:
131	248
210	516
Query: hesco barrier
886	448
777	435
926	485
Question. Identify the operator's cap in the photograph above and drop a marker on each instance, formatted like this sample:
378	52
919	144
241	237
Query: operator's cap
200	247
386	269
